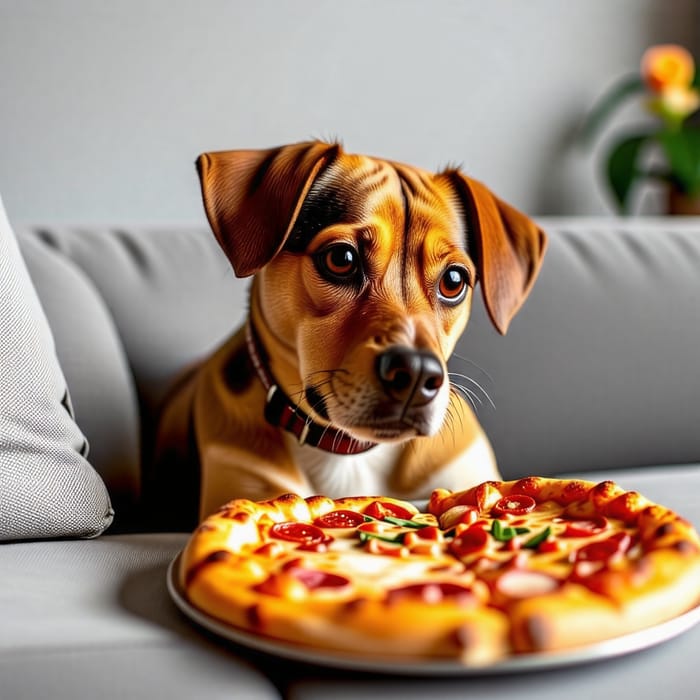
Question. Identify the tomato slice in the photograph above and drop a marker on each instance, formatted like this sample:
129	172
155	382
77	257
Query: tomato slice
585	528
380	510
517	504
430	533
313	578
340	519
472	540
304	533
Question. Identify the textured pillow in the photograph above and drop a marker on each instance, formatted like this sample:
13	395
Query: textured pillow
47	487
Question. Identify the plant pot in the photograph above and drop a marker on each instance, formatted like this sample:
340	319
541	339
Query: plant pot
682	204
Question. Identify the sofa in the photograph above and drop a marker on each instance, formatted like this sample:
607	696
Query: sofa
598	377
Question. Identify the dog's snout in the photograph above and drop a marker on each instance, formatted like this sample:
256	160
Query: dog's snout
410	376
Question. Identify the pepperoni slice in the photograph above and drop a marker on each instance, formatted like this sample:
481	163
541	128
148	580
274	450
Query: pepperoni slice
303	533
340	519
380	510
624	541
517	504
604	549
585	528
318	547
597	551
432	593
472	540
313	578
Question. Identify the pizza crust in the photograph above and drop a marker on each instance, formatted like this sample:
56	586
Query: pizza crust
454	589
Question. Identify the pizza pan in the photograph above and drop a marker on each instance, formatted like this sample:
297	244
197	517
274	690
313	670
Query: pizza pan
636	641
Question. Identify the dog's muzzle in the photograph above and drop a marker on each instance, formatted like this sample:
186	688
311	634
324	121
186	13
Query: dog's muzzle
410	377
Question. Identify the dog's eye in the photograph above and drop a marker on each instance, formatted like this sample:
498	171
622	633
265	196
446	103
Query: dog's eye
338	262
453	285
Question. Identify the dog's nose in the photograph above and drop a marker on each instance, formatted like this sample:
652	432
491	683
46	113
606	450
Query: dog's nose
411	376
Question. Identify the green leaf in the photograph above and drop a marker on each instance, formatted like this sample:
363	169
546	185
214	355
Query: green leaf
682	149
622	168
602	110
395	539
404	523
503	533
538	539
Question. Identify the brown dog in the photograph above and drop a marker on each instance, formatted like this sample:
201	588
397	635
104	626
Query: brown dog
364	273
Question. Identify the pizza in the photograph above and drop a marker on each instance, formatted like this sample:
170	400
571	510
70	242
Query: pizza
513	567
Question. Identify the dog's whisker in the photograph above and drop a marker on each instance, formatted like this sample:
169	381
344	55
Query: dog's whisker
321	397
467	393
460	417
451	428
463	358
298	395
335	441
475	383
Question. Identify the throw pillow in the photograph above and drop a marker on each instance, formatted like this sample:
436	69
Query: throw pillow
47	486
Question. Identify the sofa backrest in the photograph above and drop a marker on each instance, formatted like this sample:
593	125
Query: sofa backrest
130	308
599	369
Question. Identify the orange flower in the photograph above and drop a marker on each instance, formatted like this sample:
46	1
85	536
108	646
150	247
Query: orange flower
667	65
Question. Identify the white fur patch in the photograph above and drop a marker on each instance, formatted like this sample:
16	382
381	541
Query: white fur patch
369	473
337	476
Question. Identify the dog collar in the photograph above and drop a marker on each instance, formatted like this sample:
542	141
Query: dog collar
282	413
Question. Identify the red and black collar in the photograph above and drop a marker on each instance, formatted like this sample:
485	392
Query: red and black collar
281	412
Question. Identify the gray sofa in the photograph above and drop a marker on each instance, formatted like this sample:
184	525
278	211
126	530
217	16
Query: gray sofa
598	376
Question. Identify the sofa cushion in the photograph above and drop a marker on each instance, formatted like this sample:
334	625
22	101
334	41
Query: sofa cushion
170	290
47	486
171	295
93	618
95	367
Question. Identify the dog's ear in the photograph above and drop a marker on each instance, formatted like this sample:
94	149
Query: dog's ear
508	246
252	198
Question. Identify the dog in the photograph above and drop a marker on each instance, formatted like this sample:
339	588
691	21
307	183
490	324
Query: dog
363	275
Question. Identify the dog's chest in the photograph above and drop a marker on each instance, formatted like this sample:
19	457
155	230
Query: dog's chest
337	476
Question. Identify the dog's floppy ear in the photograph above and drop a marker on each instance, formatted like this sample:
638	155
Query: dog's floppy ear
509	248
252	198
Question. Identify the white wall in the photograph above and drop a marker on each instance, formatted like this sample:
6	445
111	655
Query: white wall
106	103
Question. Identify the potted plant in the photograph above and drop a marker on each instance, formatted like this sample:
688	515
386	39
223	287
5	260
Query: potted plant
668	80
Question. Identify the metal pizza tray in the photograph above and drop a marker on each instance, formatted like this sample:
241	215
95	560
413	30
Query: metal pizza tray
607	649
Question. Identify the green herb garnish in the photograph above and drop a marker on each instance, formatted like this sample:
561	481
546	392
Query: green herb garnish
538	539
404	523
503	533
395	539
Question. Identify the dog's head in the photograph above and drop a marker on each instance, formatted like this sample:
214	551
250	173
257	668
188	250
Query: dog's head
365	273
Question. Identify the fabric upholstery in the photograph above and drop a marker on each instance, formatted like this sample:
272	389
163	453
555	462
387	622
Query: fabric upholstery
599	363
47	486
597	371
170	291
94	619
96	370
154	300
600	367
